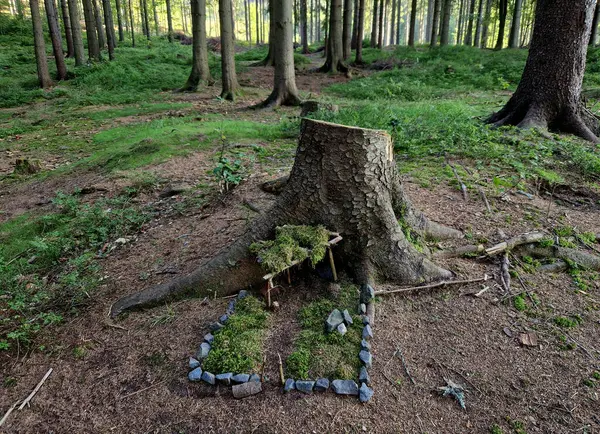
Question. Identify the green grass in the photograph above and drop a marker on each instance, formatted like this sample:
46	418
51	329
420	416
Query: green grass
238	346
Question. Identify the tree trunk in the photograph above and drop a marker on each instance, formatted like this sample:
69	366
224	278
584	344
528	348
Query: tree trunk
270	59
347	29
156	23
469	35
445	32
393	24
228	75
257	24
284	88
354	26
335	50
200	70
549	93
120	20
67	25
246	20
513	38
345	179
145	17
435	25
76	32
380	26
413	21
99	27
169	21
110	29
374	25
40	46
594	31
460	23
360	32
59	58
398	26
304	26
90	30
477	41
502	12
132	24
486	23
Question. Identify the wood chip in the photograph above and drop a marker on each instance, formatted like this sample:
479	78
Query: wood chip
528	339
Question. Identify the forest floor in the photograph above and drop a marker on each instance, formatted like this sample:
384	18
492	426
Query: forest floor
131	375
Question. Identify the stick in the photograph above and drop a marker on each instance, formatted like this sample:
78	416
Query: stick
281	377
529	238
10	410
332	264
485	199
269	287
32	394
463	187
401	357
435	285
504	274
142	390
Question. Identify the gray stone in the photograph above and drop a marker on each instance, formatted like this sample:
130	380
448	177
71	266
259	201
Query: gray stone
362	309
246	389
231	307
365	393
203	351
342	329
254	377
240	378
365	345
195	375
366	320
363	376
347	317
243	294
193	363
322	385
367	333
290	384
367	293
209	378
305	386
223	318
344	387
335	318
224	378
366	358
215	327
209	338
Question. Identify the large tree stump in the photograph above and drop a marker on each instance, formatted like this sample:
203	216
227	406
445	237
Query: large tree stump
346	179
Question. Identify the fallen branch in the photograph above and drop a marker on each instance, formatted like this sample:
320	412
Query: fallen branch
435	285
32	394
281	376
583	259
142	390
10	410
485	199
505	274
400	355
532	237
463	187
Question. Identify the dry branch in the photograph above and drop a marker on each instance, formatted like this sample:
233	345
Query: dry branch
532	237
32	394
435	285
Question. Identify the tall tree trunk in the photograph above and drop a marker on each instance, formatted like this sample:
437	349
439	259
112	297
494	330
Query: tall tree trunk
435	25
246	21
327	17
183	19
257	24
335	50
594	31
354	26
110	29
76	32
549	93
145	18
99	27
156	23
445	32
304	26
270	59
120	20
284	87
360	32
132	22
513	39
380	25
393	24
200	70
486	23
90	30
59	58
502	12
228	75
460	22
477	41
398	23
67	25
471	18
413	21
169	21
347	29
374	25
40	46
345	179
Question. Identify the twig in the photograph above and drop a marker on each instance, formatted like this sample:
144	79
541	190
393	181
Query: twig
142	390
117	326
435	285
505	274
457	372
281	376
32	394
332	264
485	199
404	365
529	238
463	187
10	410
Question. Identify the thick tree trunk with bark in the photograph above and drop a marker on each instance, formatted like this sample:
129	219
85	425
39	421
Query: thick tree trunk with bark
156	22
228	75
549	93
346	179
486	23
413	22
110	29
40	46
393	40
304	26
76	32
360	32
200	70
477	41
335	50
145	18
169	21
270	59
471	18
435	25
90	30
515	28
120	20
284	89
445	31
354	26
373	42
99	27
502	12
59	58
347	29
131	21
380	26
67	25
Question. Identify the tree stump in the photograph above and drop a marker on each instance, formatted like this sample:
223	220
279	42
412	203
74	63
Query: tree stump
346	179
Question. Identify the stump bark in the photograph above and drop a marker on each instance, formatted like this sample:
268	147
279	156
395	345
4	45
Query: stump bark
346	179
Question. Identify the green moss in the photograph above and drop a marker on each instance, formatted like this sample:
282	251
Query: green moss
519	303
238	346
565	322
596	375
495	429
292	243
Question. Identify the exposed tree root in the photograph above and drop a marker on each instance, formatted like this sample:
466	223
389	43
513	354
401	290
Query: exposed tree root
579	257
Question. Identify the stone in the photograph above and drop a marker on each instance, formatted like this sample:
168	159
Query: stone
366	320
305	386
193	363
335	318
223	318
231	307
347	317
321	385
367	293
224	378
245	390
215	327
365	393
195	375
366	358
275	306
362	309
365	345
203	351
209	338
243	294
290	384
363	376
344	387
254	377
240	378
209	378
342	329
367	333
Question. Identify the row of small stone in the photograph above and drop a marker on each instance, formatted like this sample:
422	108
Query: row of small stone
229	378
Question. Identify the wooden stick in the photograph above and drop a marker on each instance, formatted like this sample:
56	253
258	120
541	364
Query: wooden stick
142	390
32	394
505	274
10	410
435	285
332	264
401	357
463	187
269	287
289	277
485	199
281	376
532	237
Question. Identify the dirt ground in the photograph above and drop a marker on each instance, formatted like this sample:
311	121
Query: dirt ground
132	377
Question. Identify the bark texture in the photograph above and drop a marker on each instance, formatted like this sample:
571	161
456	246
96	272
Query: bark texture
435	25
67	26
445	27
345	179
99	27
169	21
228	75
373	41
111	42
90	30
54	30
549	93
470	19
76	33
40	46
347	29
515	27
119	20
335	50
200	70
502	12
360	32
413	22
